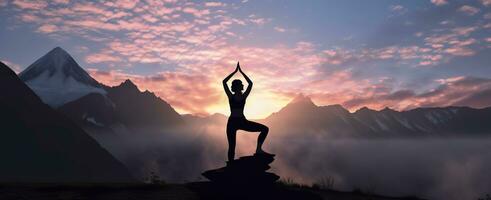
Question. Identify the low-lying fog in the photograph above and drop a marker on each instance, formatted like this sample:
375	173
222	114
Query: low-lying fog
457	168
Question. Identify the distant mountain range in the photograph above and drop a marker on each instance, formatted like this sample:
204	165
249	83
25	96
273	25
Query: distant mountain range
101	106
37	144
304	117
61	83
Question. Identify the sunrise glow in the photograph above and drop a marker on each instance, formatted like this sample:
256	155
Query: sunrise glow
181	50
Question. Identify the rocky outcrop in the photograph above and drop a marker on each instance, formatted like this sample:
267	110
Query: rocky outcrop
247	170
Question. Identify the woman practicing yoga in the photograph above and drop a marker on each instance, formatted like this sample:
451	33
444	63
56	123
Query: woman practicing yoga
237	120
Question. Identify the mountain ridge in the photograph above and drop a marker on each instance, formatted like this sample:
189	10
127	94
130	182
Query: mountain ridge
128	105
61	83
338	121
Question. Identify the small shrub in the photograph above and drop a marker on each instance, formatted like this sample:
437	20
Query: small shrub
326	183
289	182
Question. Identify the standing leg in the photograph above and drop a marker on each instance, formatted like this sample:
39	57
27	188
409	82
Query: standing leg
231	133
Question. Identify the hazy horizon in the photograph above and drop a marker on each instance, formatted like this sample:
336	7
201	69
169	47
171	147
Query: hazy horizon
435	168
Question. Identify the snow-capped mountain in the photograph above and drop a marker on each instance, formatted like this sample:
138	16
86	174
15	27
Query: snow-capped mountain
57	78
61	83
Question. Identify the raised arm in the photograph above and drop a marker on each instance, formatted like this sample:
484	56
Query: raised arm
249	82
225	86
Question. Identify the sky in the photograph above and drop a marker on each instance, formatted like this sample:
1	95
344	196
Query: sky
375	54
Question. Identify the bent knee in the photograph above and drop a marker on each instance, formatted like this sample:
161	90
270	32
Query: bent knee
231	132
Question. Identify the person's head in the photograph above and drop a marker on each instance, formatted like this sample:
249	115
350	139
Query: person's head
237	86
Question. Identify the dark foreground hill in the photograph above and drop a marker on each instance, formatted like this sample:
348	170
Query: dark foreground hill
190	191
39	145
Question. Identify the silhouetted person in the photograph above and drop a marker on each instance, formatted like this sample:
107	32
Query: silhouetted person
237	120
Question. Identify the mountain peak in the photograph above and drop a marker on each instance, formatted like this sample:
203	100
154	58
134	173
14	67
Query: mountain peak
364	109
59	51
128	85
300	103
302	99
54	60
57	61
387	109
57	78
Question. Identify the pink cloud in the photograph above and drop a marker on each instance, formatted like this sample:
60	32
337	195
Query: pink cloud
459	91
47	28
102	57
33	5
61	1
150	18
469	10
93	24
126	4
397	8
462	43
439	2
457	42
196	12
338	56
118	15
460	51
464	31
27	17
214	4
90	8
259	21
486	2
279	29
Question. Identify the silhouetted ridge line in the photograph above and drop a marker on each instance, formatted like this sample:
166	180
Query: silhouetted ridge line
128	85
335	121
40	145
